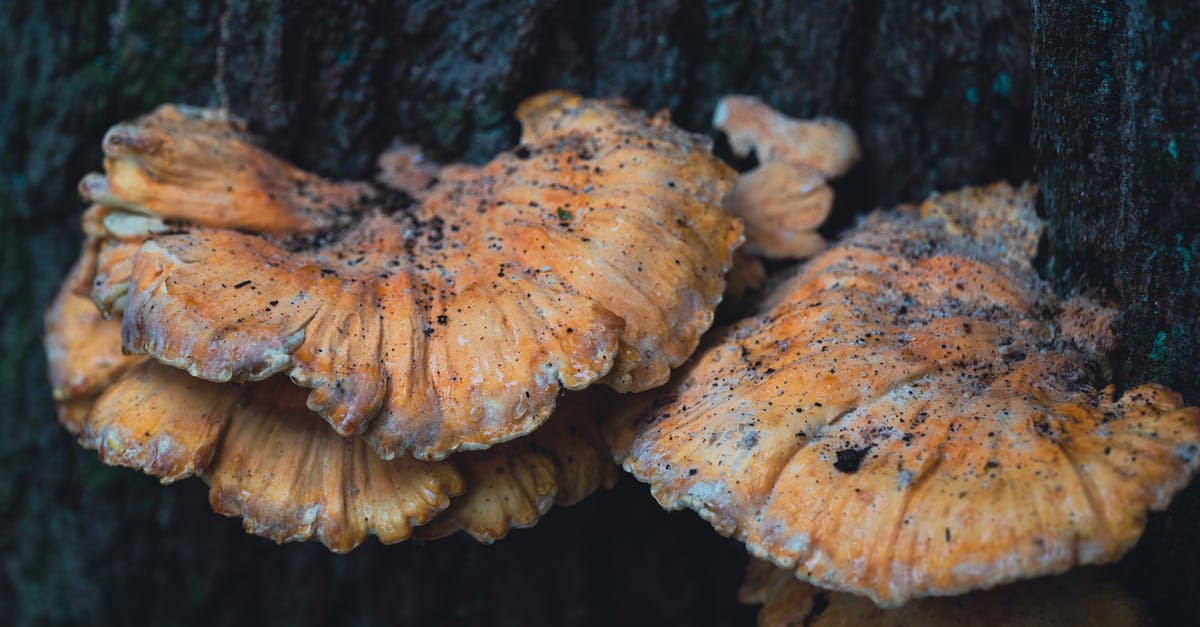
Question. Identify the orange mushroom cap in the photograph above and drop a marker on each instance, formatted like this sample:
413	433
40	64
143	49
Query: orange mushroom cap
1082	597
594	251
905	418
786	198
200	166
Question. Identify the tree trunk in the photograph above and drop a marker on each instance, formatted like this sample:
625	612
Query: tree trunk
1118	160
941	95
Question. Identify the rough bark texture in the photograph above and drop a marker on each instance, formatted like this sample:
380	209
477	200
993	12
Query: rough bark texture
1118	159
941	95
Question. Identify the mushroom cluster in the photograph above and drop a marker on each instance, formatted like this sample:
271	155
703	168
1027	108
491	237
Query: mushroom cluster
227	301
910	413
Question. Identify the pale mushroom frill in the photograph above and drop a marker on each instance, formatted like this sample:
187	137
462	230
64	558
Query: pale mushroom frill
786	197
1082	597
441	317
915	413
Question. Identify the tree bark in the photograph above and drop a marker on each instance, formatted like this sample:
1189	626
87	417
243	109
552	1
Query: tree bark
1118	160
942	95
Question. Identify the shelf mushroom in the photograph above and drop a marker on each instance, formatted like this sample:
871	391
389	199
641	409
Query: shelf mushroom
1081	597
433	318
595	251
915	413
271	461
